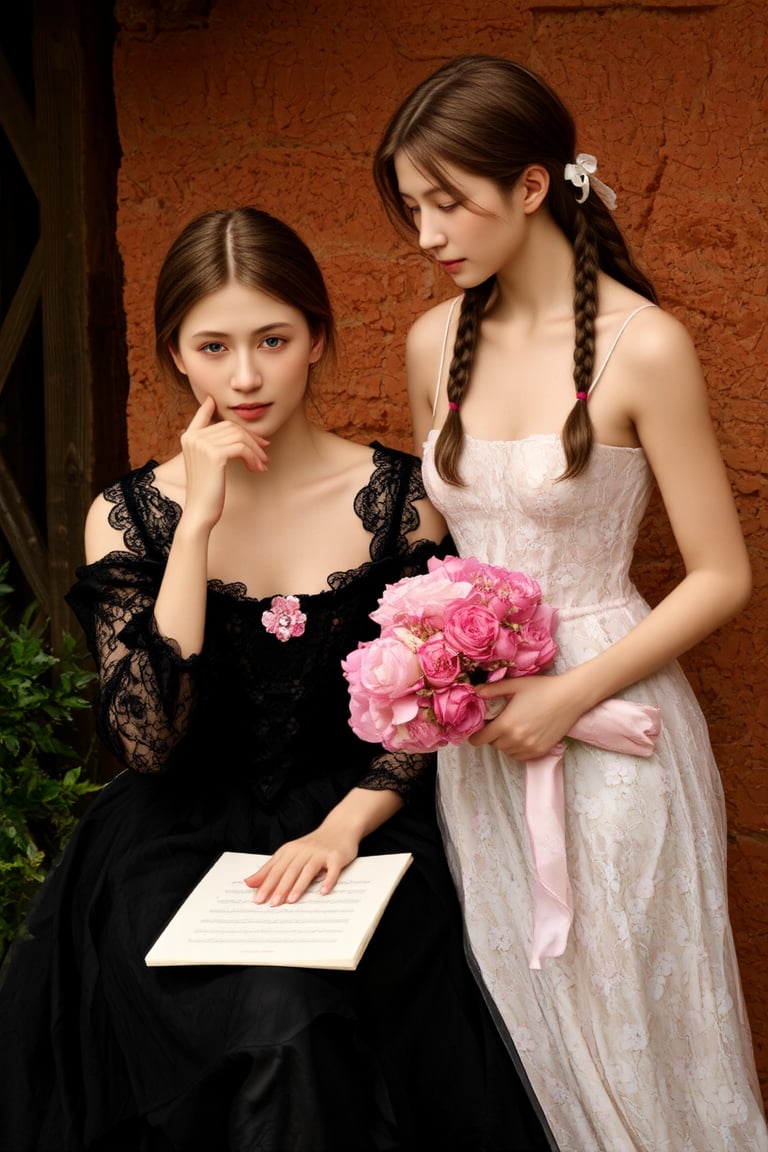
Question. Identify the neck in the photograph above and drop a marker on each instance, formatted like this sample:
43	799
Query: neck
296	452
539	281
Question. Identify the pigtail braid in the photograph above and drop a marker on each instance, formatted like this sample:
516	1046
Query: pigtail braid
597	244
448	444
577	432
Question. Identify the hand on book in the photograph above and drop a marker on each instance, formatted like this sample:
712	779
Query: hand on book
324	852
220	923
288	873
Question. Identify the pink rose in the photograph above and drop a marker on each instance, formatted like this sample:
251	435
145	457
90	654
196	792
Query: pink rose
420	734
439	662
462	618
505	648
365	722
383	676
458	569
460	710
520	593
384	667
472	629
536	649
417	603
515	588
545	617
378	719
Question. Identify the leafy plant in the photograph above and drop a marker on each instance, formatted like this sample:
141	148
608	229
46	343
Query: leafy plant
42	782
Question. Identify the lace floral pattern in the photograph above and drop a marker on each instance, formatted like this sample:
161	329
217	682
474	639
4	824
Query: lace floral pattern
636	1039
271	700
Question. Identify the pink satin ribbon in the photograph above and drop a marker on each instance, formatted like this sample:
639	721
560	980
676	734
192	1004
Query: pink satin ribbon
615	725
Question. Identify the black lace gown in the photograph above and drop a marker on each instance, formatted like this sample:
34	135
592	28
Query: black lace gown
243	747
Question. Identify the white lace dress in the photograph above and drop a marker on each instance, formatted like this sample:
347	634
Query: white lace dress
636	1039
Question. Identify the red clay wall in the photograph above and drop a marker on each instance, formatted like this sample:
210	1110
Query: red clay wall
280	105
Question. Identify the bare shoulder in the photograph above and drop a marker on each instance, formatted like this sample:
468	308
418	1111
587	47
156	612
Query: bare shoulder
654	336
427	333
433	331
660	362
100	535
652	358
341	455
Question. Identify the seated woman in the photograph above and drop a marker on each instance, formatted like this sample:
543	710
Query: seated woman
221	591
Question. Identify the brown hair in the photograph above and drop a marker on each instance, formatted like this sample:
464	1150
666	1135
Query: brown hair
250	247
493	118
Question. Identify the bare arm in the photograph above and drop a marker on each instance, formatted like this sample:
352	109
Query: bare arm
147	690
423	347
664	394
327	849
146	623
208	450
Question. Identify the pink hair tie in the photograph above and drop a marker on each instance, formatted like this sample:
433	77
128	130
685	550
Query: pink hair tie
453	407
581	395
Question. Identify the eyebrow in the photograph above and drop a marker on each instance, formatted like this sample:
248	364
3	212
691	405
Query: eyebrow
434	190
256	331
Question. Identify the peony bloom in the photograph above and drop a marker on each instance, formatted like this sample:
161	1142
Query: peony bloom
383	667
419	608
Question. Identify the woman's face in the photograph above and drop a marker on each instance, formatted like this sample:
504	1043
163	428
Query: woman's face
472	238
251	353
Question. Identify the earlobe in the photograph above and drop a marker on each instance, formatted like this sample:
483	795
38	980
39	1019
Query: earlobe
177	359
535	183
316	350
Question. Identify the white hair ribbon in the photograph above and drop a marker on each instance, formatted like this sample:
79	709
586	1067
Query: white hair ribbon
582	176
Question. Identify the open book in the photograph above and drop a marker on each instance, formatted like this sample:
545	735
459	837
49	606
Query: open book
219	923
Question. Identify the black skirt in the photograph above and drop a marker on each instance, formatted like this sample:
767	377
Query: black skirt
100	1053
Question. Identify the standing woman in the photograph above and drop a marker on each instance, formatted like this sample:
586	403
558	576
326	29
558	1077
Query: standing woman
221	591
550	397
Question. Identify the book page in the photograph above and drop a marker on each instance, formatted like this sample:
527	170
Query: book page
219	922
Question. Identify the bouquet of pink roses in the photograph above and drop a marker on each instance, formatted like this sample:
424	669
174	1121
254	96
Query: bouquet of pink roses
460	624
412	689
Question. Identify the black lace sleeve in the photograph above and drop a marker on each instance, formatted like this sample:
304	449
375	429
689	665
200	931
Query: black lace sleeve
387	507
146	689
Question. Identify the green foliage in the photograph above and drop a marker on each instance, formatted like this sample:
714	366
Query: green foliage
41	781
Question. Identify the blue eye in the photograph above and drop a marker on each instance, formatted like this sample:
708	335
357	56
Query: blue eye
274	341
214	347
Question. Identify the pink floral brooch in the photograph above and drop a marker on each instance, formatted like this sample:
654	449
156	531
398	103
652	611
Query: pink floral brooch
284	618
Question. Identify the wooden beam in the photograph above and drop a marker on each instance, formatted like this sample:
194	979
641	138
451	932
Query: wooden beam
61	110
19	317
18	123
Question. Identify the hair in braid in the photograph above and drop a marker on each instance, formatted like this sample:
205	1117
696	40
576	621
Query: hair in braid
448	443
577	433
493	118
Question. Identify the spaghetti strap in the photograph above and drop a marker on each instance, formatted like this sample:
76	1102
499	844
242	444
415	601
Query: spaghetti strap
442	354
617	337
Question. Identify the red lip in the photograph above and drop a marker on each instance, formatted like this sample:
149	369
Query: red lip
250	411
450	265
